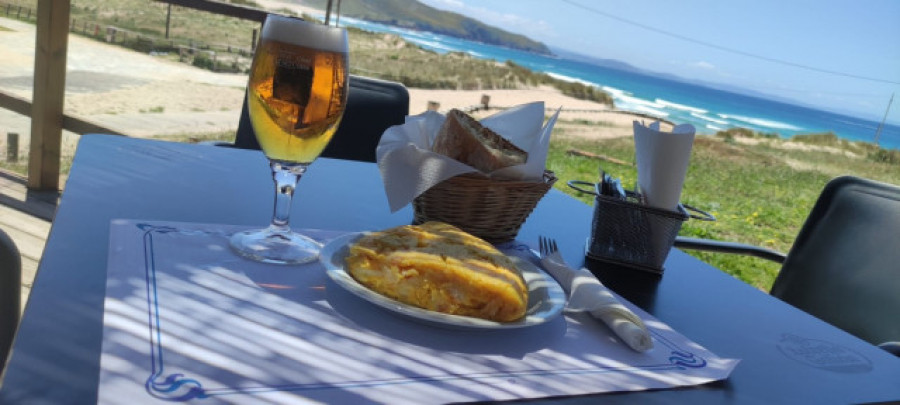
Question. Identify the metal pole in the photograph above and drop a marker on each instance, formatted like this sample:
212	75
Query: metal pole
328	12
337	14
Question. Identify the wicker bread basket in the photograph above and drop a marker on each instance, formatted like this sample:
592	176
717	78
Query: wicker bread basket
493	210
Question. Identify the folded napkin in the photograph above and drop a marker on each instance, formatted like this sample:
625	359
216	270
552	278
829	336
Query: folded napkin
587	294
409	167
662	162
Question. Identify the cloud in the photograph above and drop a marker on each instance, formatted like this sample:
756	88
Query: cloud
504	20
703	65
450	4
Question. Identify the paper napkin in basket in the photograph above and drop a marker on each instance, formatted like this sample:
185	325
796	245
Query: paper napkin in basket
662	162
587	294
409	167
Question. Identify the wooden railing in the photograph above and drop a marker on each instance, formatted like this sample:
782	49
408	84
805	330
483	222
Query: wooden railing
46	107
70	122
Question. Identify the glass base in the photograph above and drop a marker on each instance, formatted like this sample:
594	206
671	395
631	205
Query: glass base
275	246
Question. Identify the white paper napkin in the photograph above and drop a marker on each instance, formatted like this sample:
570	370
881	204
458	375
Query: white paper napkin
587	294
409	167
662	162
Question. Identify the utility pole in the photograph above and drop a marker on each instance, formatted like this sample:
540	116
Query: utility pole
881	126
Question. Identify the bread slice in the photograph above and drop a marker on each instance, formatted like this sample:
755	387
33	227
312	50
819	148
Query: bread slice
463	138
439	267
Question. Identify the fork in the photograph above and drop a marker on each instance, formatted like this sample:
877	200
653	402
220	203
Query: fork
555	264
549	251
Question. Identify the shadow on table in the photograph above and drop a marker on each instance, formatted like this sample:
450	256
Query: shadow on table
636	286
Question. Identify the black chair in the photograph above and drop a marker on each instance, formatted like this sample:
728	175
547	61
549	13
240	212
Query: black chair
10	290
372	107
844	266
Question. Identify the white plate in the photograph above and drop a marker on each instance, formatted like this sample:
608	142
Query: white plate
546	298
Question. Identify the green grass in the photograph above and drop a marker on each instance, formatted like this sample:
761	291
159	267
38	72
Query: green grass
759	194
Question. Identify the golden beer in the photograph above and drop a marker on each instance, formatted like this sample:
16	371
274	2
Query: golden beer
296	94
296	97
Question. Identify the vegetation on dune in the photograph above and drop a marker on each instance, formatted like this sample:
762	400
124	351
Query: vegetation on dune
390	57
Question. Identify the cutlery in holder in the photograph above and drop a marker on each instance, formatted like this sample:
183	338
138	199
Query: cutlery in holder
626	232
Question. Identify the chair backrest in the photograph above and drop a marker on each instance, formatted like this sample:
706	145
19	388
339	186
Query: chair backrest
10	292
844	267
372	106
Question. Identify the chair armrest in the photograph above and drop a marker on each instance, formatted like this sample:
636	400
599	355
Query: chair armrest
891	347
710	245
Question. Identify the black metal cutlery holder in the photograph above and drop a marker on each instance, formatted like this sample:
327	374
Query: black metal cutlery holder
626	232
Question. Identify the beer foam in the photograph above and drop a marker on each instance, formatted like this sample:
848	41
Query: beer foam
305	33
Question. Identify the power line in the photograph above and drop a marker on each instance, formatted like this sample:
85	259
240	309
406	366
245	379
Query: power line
727	49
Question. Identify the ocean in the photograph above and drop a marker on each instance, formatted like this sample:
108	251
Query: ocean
708	109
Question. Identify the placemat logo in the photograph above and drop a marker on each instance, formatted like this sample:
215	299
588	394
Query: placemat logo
823	355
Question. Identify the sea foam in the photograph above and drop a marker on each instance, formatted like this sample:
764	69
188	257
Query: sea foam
669	104
572	79
615	92
760	122
708	118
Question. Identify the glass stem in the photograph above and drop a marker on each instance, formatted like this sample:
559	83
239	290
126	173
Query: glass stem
286	175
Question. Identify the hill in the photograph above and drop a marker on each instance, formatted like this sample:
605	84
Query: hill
415	15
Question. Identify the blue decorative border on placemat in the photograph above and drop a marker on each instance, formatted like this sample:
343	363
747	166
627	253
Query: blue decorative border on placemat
178	387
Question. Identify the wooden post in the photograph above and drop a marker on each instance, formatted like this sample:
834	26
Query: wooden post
485	101
168	19
253	41
51	44
12	147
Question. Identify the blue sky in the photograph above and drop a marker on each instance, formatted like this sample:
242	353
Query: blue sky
841	55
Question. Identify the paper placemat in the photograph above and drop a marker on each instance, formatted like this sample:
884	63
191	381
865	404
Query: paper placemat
187	320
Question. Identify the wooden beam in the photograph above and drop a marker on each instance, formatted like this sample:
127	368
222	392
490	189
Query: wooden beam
70	122
15	104
49	89
217	7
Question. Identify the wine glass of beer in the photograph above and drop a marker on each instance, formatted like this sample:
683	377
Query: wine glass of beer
296	98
